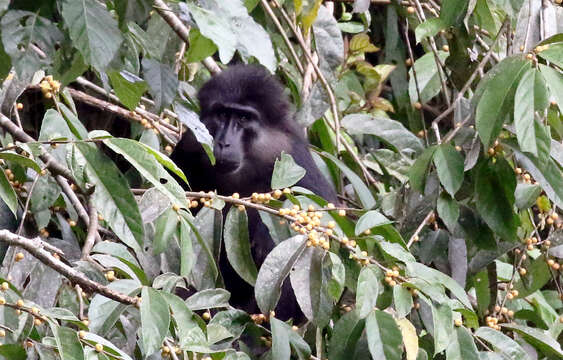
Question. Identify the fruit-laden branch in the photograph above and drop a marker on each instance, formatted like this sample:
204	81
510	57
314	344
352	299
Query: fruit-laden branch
37	248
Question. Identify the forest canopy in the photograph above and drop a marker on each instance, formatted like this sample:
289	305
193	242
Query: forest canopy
438	122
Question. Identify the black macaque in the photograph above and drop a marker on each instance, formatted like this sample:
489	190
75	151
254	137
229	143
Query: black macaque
251	121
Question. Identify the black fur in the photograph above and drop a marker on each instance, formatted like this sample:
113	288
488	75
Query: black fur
252	87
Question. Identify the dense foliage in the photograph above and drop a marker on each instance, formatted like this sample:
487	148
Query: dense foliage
439	123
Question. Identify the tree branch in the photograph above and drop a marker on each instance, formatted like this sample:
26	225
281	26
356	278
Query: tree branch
36	247
183	32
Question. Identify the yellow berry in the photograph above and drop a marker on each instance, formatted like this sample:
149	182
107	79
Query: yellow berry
418	106
82	334
235	196
175	207
2	333
206	315
458	322
99	347
522	271
342	212
446	48
86	322
19	106
411	10
20	303
5	286
37	321
19	256
110	275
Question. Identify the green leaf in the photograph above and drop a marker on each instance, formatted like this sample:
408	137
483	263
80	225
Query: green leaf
546	173
363	192
526	195
7	193
452	12
283	338
162	81
553	53
286	172
128	88
539	339
103	312
427	77
449	165
402	299
429	28
138	155
68	343
109	348
72	122
502	343
448	210
367	291
390	131
554	81
155	318
538	274
93	30
13	352
396	250
200	47
309	279
229	26
497	98
187	255
278	232
442	321
23	34
274	270
494	197
165	228
202	135
112	197
370	220
190	334
385	340
208	299
54	127
418	270
237	245
462	346
345	336
417	172
524	109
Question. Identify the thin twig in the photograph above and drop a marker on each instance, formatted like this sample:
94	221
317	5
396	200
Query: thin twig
36	248
147	114
52	164
80	302
182	31
411	57
129	115
334	108
26	206
326	85
419	228
276	21
439	65
92	230
467	85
